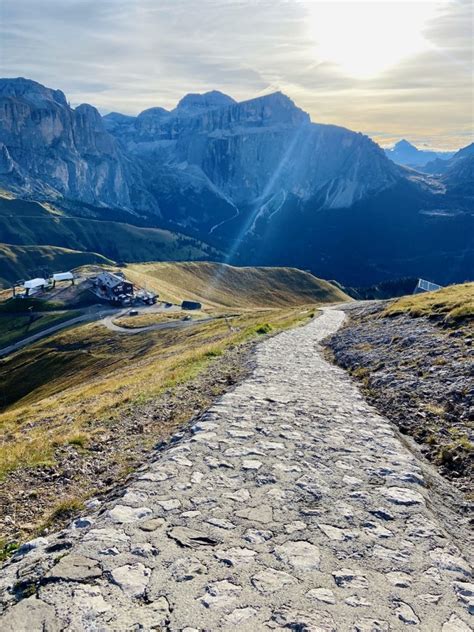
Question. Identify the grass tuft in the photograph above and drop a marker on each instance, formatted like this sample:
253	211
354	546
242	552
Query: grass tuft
451	305
62	513
7	549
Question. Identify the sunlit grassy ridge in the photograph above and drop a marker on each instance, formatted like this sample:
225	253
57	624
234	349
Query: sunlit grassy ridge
18	262
451	304
222	286
37	235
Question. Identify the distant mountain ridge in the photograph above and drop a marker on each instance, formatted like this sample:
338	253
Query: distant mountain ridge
256	179
405	153
459	172
247	150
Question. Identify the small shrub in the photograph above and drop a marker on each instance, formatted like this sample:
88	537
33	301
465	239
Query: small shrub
7	549
435	409
213	354
465	444
263	329
79	440
361	372
63	512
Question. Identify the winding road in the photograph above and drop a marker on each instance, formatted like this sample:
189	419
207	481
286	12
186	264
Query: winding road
106	317
290	505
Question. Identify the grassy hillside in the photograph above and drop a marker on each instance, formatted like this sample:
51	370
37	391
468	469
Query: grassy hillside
24	223
18	262
80	380
88	403
451	304
222	286
13	328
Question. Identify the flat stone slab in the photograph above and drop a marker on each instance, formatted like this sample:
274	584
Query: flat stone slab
291	505
74	568
301	555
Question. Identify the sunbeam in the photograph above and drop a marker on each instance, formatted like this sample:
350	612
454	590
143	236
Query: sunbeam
290	156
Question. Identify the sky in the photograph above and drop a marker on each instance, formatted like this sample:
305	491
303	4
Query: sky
389	69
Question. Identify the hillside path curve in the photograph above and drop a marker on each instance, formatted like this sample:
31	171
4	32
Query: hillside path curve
290	505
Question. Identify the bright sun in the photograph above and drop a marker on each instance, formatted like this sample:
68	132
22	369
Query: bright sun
366	38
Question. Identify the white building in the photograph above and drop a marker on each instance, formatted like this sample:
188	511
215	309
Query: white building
63	276
33	285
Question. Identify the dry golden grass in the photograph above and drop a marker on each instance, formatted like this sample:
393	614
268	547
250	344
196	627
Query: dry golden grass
221	286
452	304
145	320
66	388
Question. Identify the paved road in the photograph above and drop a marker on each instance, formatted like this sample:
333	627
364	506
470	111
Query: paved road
109	322
44	333
106	316
291	505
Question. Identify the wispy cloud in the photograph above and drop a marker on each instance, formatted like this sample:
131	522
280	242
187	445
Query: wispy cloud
128	56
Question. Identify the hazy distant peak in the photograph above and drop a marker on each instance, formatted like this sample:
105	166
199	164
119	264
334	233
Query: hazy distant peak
213	99
405	153
405	145
118	117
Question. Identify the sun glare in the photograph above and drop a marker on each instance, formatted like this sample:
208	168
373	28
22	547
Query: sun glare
366	38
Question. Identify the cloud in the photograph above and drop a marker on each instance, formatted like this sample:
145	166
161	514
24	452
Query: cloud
128	56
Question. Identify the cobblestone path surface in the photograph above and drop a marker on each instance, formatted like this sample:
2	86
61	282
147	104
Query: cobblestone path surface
291	505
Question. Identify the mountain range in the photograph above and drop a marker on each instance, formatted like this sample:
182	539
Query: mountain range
405	153
257	180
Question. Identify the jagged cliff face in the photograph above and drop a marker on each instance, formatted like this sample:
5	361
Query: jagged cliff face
257	149
257	178
47	147
195	165
459	175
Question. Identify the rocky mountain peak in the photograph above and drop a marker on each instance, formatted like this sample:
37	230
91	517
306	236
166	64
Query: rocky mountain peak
194	102
405	145
30	91
270	110
90	113
156	112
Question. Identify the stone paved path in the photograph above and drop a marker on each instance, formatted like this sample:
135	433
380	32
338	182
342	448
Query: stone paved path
292	505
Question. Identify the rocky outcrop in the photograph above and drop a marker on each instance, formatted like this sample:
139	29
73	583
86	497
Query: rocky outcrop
459	175
419	374
51	149
256	149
